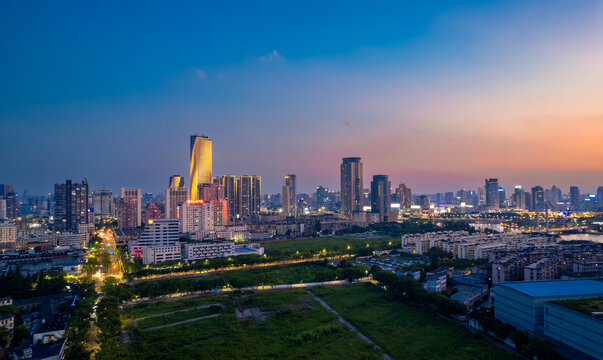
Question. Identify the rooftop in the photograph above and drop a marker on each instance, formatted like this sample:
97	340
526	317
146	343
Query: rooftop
557	287
586	306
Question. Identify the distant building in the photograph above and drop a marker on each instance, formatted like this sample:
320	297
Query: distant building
519	198
436	282
201	163
521	304
151	211
126	214
404	196
351	186
492	199
381	197
537	198
175	195
575	199
289	196
196	216
10	209
8	236
322	194
249	195
71	205
160	253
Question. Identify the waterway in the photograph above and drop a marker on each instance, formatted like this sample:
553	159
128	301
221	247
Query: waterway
590	237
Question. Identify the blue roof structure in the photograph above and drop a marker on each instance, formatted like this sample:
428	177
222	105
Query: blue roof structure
557	287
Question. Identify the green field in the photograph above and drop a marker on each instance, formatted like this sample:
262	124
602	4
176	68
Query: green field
406	331
334	245
150	308
175	317
291	325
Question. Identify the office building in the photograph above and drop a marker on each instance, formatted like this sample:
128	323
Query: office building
201	164
521	304
10	201
381	197
289	196
160	232
491	188
519	198
3	213
104	204
133	198
211	192
151	211
196	216
175	195
71	205
322	195
160	253
8	236
351	186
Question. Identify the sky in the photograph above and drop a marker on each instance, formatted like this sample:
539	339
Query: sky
439	94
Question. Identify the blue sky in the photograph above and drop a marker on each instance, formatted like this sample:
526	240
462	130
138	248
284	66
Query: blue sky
437	95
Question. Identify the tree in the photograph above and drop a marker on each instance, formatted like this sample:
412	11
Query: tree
520	339
542	349
20	333
4	337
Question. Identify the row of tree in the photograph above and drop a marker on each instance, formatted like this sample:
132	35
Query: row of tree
18	286
79	322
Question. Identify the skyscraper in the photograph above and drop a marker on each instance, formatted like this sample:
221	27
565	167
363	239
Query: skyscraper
228	182
351	185
201	163
289	196
71	205
404	196
249	195
492	193
381	197
7	193
133	196
575	197
322	193
537	198
519	198
600	196
175	195
104	204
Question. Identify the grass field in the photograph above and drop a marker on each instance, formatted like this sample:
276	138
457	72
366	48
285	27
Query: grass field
146	309
337	245
406	331
175	317
293	326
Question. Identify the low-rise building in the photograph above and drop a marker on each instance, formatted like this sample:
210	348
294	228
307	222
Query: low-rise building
469	294
160	253
435	283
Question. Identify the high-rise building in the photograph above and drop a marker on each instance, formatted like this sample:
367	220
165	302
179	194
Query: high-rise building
537	198
176	181
553	196
126	214
7	193
196	216
249	196
502	195
201	163
71	205
481	196
322	194
448	198
600	196
211	192
160	232
381	197
351	186
134	196
575	197
289	196
519	198
491	187
104	204
3	215
404	196
228	183
175	195
151	211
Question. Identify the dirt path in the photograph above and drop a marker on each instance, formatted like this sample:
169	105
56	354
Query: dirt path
349	325
182	322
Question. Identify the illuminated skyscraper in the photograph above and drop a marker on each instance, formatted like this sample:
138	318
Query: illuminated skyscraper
201	163
351	185
404	196
289	196
381	197
71	205
537	198
519	198
175	195
228	182
575	197
104	204
492	199
249	195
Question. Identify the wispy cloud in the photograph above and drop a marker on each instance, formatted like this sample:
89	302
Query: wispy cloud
272	56
200	73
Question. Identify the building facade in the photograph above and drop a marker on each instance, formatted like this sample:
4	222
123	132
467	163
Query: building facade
351	185
201	164
381	197
71	205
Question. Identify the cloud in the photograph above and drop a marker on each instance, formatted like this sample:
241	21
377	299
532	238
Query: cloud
272	56
200	74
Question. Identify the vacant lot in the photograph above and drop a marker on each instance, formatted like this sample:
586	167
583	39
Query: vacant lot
406	331
269	325
332	245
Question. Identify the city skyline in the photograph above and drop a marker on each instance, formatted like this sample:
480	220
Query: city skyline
438	97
